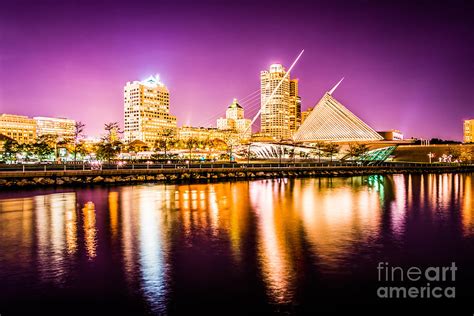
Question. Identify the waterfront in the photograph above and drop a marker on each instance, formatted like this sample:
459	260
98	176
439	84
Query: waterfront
269	245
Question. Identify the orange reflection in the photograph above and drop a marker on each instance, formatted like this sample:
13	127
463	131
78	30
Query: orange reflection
276	238
467	206
71	230
113	213
56	233
16	230
338	216
146	230
90	231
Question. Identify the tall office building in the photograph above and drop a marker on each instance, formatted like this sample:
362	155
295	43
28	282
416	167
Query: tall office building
469	131
294	107
280	115
61	127
147	111
235	121
18	127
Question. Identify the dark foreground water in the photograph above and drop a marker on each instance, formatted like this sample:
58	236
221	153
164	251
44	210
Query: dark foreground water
266	246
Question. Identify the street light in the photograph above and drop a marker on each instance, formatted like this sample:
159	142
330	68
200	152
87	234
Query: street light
431	155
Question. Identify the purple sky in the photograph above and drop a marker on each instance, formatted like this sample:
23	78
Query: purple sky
406	67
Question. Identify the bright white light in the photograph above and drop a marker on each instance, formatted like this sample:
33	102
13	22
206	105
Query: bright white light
153	81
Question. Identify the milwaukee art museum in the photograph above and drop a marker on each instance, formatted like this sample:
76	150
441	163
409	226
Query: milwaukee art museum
329	122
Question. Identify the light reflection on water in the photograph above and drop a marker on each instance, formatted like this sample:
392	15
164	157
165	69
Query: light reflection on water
280	230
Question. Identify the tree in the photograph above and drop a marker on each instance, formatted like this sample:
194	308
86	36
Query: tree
109	147
352	150
112	130
11	148
44	146
167	138
230	139
356	150
78	134
319	148
454	152
331	149
467	154
107	151
216	143
362	150
191	143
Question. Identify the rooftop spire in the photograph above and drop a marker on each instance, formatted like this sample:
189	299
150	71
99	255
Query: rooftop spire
334	88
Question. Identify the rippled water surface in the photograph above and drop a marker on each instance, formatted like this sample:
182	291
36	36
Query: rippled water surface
283	245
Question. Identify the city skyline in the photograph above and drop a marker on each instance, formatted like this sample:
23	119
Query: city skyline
206	61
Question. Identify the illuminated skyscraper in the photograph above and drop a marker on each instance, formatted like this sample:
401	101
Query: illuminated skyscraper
469	131
281	114
147	111
294	107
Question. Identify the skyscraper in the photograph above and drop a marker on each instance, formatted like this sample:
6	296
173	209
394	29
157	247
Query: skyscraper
235	121
147	111
469	131
294	107
281	114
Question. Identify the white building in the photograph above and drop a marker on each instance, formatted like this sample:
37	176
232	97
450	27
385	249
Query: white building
61	127
235	121
147	111
333	122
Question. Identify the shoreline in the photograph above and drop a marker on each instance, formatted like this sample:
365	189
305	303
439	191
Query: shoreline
18	179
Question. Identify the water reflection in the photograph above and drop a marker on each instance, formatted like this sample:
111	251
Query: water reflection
152	236
113	213
274	251
467	205
56	238
90	231
336	216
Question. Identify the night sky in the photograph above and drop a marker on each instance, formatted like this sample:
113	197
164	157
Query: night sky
406	66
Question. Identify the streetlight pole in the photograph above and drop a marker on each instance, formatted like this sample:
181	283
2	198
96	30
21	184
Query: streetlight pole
430	155
248	154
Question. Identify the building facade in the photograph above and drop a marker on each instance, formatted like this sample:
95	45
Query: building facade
235	121
147	111
280	114
469	131
199	133
305	114
61	127
294	107
18	127
391	135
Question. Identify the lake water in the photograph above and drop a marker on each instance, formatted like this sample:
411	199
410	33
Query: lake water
266	246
